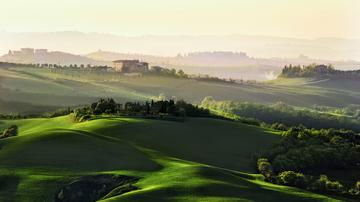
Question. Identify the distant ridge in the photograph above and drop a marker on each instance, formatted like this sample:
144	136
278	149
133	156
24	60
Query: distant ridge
170	45
223	64
43	56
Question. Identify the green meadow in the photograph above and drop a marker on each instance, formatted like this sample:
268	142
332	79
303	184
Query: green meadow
35	90
196	160
200	159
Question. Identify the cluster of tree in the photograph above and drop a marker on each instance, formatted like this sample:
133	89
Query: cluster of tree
13	116
282	113
10	64
320	184
293	160
157	70
160	108
9	132
162	71
213	79
319	71
352	110
59	112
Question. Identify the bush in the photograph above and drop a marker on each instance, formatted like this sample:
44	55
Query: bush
264	167
324	184
356	190
9	132
292	178
59	112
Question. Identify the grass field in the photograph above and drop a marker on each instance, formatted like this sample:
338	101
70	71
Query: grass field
196	160
47	89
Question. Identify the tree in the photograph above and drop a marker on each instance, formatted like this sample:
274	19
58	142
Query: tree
182	74
292	178
265	167
9	132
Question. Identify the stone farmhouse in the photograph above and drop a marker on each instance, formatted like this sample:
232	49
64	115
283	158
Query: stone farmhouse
130	66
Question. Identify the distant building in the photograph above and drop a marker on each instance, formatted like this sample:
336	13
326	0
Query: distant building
130	66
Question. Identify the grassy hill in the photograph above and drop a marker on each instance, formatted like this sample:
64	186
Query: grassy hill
47	88
196	160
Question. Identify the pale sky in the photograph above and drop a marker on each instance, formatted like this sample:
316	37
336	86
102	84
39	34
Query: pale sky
287	18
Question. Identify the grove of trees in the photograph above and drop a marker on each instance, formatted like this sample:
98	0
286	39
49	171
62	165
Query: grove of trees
302	152
281	113
162	108
319	71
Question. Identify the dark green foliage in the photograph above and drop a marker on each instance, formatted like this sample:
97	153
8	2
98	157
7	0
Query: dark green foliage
292	178
281	113
319	71
17	116
303	150
191	110
279	126
161	71
324	184
82	114
265	168
59	112
10	132
163	108
157	70
107	106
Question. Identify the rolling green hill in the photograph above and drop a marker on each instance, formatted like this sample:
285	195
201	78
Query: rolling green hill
49	88
196	160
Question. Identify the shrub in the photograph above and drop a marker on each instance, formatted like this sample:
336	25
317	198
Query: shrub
334	186
264	166
292	178
283	163
9	132
324	184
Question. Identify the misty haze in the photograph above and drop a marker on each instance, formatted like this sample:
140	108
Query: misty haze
205	100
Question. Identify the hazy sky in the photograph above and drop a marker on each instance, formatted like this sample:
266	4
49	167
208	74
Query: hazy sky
291	18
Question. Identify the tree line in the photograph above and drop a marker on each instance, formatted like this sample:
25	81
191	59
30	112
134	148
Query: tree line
281	113
57	66
318	71
154	109
302	153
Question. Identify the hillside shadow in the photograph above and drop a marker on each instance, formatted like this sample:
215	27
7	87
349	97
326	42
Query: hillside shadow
8	187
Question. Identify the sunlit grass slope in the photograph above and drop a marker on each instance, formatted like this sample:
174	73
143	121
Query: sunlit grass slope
195	160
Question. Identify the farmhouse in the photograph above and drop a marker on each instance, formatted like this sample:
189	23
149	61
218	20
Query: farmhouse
130	66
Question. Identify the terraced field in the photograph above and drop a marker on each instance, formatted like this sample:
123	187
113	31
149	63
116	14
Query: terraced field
196	160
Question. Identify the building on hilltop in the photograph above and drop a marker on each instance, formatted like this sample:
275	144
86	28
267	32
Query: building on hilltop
130	66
